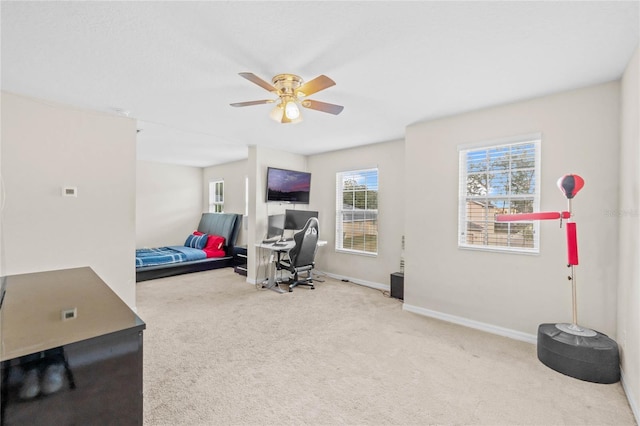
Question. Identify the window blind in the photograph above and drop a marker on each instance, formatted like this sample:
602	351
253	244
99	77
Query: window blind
357	211
499	179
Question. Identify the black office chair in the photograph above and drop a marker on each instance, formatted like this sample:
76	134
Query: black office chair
302	256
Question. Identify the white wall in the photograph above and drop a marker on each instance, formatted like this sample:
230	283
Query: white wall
389	159
234	175
580	134
168	203
629	245
46	146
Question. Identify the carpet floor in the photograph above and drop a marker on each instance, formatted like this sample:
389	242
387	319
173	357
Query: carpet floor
219	351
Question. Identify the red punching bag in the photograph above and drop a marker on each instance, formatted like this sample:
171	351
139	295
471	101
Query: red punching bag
570	185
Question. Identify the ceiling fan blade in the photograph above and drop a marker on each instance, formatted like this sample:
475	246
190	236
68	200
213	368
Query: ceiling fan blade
257	80
249	103
317	84
323	106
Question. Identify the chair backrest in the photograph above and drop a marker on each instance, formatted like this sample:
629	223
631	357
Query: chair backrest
306	240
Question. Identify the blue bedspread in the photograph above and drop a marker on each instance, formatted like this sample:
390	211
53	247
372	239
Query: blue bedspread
165	255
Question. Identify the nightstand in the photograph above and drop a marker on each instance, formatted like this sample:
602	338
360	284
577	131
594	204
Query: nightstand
240	260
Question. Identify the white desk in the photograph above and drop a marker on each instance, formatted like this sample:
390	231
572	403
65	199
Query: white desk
276	251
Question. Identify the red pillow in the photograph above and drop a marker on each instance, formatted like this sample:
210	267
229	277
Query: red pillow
214	253
214	242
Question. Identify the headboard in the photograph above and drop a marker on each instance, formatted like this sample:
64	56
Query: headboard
226	225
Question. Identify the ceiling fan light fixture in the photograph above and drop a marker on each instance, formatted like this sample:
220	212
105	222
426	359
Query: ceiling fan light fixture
276	113
291	110
290	88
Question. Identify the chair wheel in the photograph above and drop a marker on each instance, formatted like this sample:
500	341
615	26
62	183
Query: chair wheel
290	289
313	288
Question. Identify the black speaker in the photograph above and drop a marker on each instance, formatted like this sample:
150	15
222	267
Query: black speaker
397	285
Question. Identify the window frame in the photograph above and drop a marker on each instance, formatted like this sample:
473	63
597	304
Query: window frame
534	197
246	196
340	211
216	205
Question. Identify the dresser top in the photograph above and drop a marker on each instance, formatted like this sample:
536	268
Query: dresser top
44	310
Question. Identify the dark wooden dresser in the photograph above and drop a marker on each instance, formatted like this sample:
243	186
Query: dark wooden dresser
70	351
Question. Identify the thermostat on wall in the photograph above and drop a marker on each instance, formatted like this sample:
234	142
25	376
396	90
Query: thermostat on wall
69	191
68	314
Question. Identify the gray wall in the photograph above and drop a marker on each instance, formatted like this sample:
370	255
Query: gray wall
234	175
628	308
369	270
46	146
388	157
516	292
260	159
168	203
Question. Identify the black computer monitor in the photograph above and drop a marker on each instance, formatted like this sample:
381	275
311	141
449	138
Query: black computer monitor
296	219
275	225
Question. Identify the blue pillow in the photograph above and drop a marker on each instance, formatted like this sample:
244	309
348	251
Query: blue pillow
196	241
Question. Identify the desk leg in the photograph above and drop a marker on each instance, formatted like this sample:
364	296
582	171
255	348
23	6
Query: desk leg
271	282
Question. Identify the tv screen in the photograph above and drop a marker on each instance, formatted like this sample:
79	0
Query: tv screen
288	186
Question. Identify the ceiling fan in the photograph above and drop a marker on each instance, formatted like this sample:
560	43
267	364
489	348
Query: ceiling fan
291	92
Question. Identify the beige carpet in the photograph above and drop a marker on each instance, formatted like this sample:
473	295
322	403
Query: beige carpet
219	351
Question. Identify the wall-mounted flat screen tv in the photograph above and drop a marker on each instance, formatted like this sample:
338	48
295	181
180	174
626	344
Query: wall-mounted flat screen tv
288	186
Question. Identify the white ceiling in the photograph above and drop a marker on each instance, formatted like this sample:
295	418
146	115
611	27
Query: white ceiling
174	66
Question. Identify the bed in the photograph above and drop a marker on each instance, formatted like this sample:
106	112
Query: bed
211	246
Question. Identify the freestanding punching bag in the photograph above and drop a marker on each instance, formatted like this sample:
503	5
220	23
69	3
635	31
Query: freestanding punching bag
569	348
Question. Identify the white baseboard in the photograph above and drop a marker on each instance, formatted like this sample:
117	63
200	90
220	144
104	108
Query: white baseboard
319	274
630	397
371	284
489	328
513	334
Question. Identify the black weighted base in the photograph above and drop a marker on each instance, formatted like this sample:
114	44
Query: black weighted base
589	358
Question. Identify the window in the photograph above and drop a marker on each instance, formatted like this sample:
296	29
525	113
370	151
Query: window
500	178
216	196
357	211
